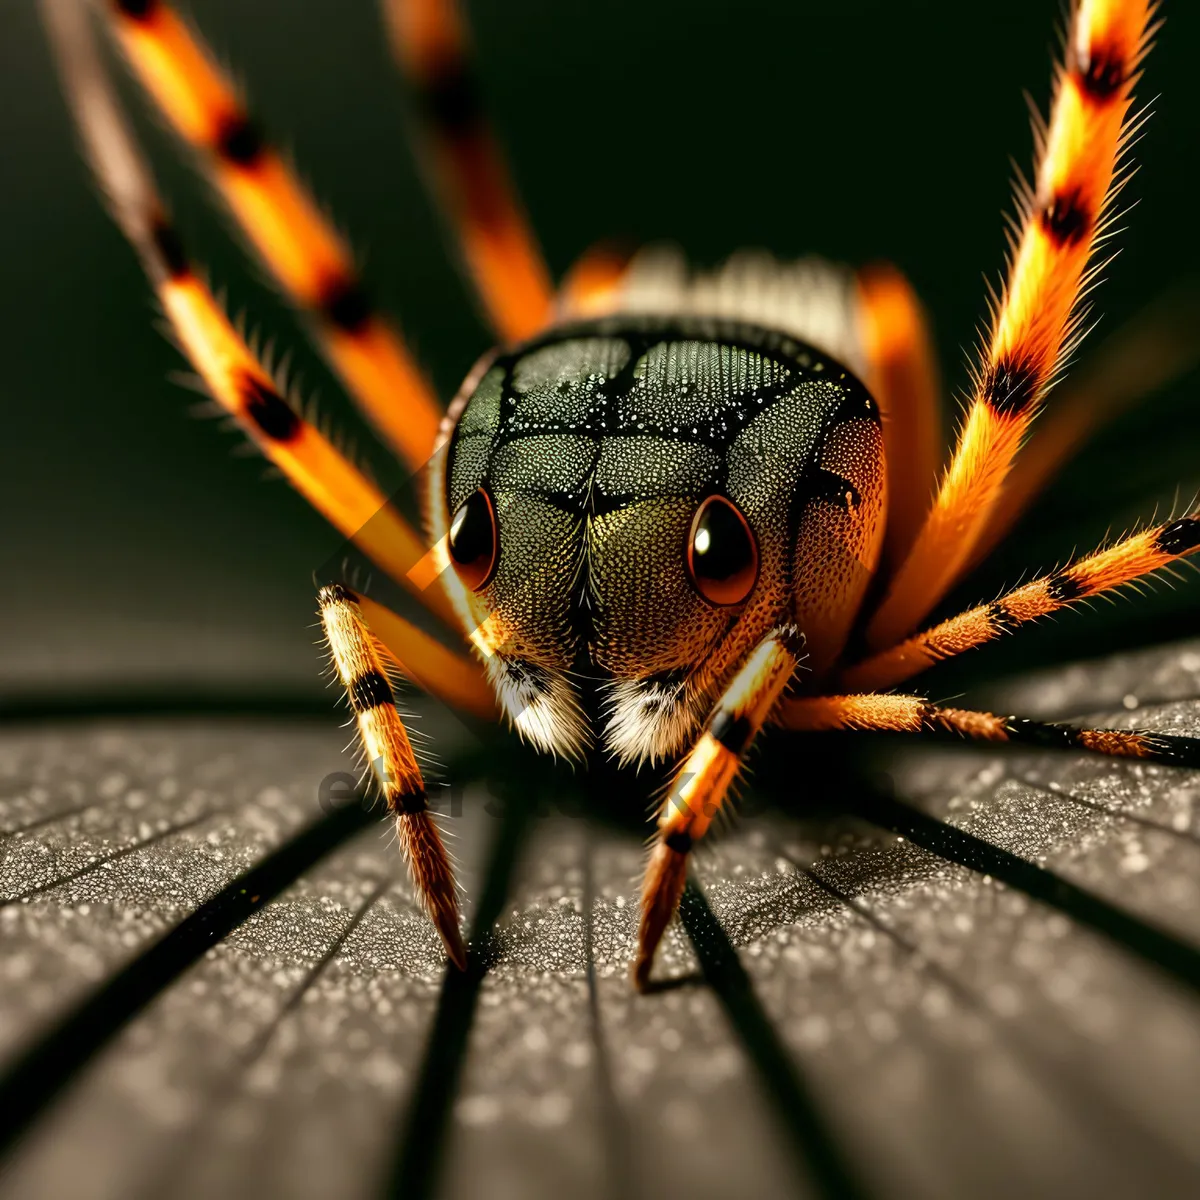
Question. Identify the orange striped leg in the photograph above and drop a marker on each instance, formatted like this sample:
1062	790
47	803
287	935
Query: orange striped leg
1150	352
307	257
359	665
701	785
431	43
1037	320
914	714
903	379
236	378
1131	558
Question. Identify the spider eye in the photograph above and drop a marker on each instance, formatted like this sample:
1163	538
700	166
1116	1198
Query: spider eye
722	553
474	543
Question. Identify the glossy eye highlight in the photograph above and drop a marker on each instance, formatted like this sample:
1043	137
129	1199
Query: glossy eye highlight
474	540
722	553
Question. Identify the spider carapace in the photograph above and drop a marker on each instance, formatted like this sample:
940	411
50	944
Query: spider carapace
674	506
645	501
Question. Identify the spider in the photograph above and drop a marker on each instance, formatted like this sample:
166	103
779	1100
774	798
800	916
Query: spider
673	506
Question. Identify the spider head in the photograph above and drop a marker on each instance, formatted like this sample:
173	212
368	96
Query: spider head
631	506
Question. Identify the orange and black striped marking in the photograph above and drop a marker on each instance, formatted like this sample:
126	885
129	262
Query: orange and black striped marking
1133	557
1037	320
887	712
309	460
700	789
307	257
360	669
1150	351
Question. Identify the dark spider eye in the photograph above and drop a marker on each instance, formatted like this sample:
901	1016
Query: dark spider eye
722	554
474	544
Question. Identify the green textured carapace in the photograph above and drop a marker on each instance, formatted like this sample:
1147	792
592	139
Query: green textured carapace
597	446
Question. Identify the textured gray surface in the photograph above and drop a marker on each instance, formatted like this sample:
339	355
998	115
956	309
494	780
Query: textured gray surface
954	1036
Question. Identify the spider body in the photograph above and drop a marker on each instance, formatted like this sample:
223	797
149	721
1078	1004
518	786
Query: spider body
605	454
672	514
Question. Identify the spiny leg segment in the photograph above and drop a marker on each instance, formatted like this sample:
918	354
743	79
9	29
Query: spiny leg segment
701	785
1131	558
1037	321
390	754
431	43
308	258
914	714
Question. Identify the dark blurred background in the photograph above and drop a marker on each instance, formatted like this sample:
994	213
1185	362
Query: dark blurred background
142	552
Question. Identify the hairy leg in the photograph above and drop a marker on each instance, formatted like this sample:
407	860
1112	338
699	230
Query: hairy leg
914	714
1037	321
1131	558
360	669
700	788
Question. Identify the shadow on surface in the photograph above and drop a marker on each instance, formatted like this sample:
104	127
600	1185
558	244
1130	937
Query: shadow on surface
46	1067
